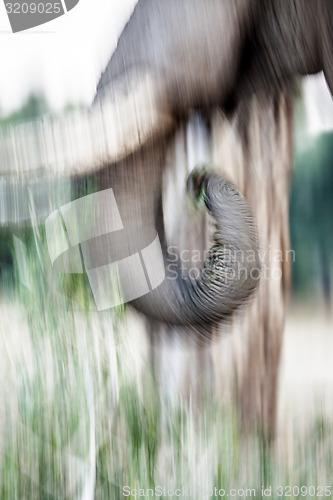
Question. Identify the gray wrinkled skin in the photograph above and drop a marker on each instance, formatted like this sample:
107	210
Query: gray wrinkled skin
230	273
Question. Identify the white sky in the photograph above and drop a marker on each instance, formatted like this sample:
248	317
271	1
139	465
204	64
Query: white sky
64	59
319	104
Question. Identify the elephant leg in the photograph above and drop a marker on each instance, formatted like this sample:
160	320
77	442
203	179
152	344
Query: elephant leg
254	150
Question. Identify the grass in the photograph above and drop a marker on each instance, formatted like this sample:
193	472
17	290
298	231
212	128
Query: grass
80	419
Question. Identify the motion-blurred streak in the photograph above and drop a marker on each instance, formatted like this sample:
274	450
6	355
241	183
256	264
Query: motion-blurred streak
238	57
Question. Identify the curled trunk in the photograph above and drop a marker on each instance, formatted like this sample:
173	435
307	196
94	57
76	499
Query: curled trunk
230	273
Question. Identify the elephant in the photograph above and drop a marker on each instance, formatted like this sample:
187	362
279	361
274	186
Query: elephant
173	57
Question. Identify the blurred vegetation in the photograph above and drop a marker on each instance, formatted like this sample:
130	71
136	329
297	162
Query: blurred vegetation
34	106
311	210
81	421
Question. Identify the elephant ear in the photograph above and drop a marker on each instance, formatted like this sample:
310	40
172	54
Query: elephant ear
327	43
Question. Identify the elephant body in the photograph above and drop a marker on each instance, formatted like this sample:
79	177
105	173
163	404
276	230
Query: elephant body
201	55
174	57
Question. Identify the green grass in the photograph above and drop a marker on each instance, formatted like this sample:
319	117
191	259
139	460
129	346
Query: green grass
76	423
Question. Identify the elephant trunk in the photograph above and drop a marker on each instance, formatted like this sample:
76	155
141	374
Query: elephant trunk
230	273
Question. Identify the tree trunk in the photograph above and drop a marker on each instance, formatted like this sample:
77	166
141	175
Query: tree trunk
252	149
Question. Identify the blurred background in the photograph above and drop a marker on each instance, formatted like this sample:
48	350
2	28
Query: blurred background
54	68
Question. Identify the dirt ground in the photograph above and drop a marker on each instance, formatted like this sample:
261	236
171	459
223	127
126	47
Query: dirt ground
306	372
